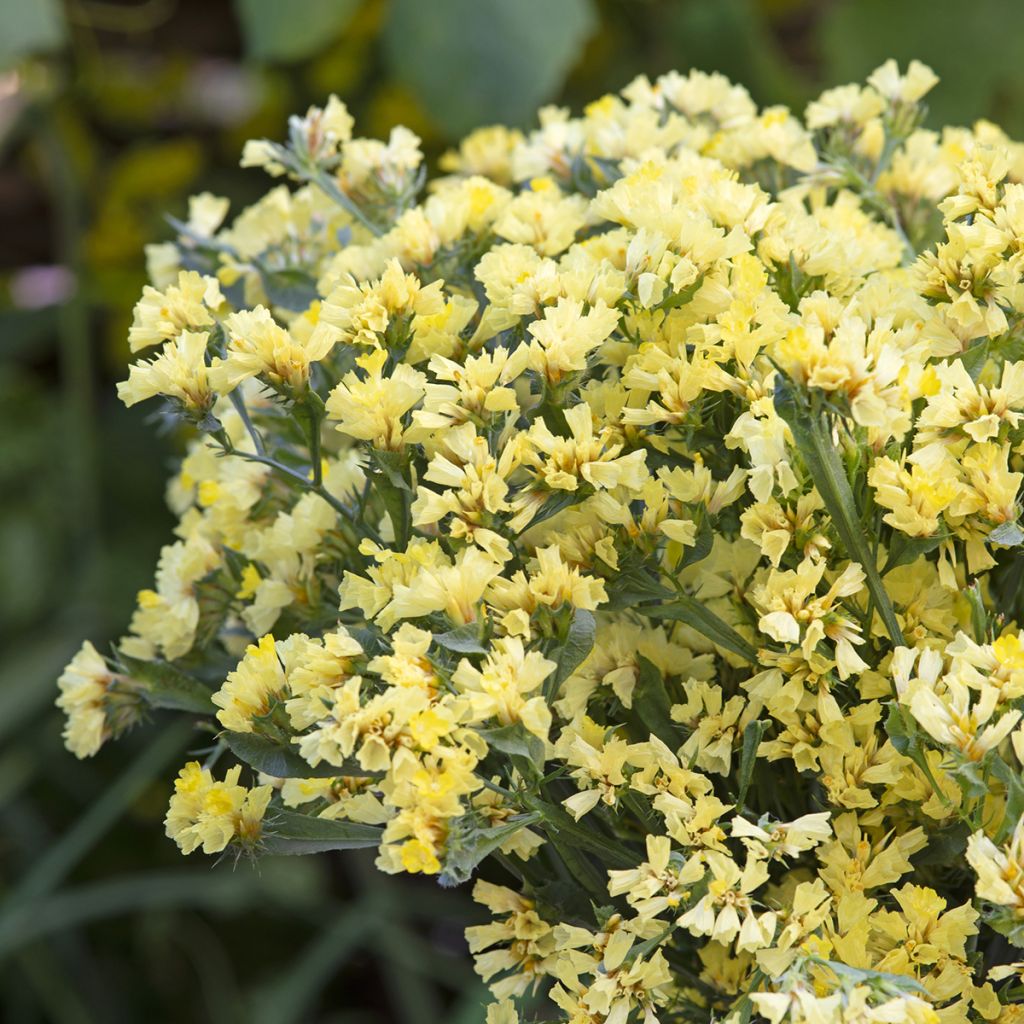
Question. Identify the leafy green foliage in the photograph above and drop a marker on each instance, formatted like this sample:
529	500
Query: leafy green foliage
27	28
277	31
813	437
289	832
481	45
569	653
282	762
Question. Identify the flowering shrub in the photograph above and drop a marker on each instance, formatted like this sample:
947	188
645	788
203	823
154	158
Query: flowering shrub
637	509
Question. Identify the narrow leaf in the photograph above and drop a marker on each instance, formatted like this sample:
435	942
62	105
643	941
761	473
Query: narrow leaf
465	852
814	440
557	821
1010	535
164	686
652	704
462	640
282	761
570	654
704	621
290	832
748	755
903	550
517	741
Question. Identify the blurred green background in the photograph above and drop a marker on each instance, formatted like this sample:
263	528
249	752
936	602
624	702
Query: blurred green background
111	114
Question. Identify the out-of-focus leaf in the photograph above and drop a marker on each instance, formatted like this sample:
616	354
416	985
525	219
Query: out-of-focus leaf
52	868
286	998
500	60
291	288
276	31
21	330
290	832
66	909
857	37
28	28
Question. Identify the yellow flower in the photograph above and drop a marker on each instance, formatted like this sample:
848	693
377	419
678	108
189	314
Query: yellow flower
499	688
178	372
565	463
83	697
209	813
791	612
999	869
726	912
566	335
370	407
162	315
258	346
951	719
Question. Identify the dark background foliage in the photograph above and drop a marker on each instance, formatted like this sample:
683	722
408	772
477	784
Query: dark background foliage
111	113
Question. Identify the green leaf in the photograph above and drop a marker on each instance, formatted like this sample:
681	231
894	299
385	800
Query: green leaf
972	781
903	549
1014	809
856	37
571	653
946	847
890	982
394	491
500	60
557	821
1010	535
702	546
628	589
748	755
289	832
164	686
1005	921
905	736
516	740
289	996
689	610
469	844
462	640
282	761
30	28
276	31
901	729
814	440
559	501
68	908
290	288
62	855
652	704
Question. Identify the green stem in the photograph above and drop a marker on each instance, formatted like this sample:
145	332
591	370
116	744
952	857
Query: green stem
329	187
314	442
243	413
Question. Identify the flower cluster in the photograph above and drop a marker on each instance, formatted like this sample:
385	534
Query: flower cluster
635	508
